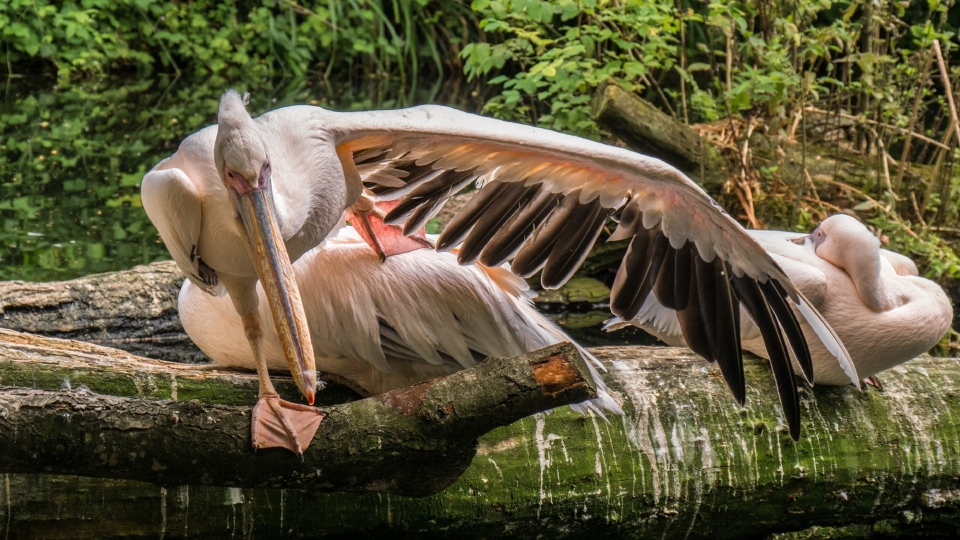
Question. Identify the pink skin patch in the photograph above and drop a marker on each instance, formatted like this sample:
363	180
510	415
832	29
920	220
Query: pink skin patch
239	183
386	240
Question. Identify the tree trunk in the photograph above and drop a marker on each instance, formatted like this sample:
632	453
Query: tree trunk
684	461
413	441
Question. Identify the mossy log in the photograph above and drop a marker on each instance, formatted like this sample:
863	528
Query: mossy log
646	129
684	461
114	415
650	131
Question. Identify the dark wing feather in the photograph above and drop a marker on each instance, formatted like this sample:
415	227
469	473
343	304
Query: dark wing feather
461	224
428	197
664	287
511	202
682	276
725	345
508	240
691	322
533	255
631	285
777	298
753	300
574	244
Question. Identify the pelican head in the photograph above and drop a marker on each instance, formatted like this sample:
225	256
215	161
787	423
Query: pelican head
244	166
841	239
844	242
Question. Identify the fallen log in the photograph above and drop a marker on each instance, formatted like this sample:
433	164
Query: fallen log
134	310
646	129
413	441
684	462
650	131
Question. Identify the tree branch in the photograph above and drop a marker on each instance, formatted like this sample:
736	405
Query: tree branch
414	441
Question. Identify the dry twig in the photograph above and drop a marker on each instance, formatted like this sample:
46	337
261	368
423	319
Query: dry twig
917	136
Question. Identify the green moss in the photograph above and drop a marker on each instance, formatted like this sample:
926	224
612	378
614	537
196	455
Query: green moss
577	290
209	389
110	383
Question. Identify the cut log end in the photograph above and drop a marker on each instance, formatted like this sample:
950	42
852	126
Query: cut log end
555	375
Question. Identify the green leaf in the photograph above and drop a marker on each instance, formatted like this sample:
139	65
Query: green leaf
568	10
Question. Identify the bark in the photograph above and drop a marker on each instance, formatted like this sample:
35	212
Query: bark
414	441
134	310
649	131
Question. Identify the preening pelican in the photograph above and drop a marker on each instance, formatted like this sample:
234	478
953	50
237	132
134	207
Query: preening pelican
386	325
884	313
238	198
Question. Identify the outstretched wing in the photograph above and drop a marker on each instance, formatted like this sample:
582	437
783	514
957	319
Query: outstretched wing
542	201
173	205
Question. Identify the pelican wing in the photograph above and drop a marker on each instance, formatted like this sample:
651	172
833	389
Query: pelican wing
903	266
173	205
542	201
799	261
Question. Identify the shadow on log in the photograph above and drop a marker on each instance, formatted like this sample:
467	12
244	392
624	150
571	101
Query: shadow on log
413	441
134	310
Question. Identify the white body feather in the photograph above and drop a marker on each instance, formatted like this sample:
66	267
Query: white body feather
387	325
916	316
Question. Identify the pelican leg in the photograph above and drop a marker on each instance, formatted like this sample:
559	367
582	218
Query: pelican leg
874	382
367	218
276	422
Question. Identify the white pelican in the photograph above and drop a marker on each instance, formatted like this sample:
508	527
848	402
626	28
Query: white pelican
386	325
239	200
884	313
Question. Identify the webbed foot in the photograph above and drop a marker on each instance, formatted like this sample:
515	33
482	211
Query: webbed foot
279	423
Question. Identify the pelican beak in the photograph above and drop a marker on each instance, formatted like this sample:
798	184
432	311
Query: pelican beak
801	240
258	214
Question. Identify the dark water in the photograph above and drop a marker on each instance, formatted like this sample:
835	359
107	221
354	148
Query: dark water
72	157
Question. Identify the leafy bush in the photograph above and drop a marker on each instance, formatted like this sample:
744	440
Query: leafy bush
765	62
399	41
554	53
732	56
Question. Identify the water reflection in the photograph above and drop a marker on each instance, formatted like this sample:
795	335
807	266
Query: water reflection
72	157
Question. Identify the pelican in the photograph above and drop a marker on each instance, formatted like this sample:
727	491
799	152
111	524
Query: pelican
387	325
238	201
873	298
